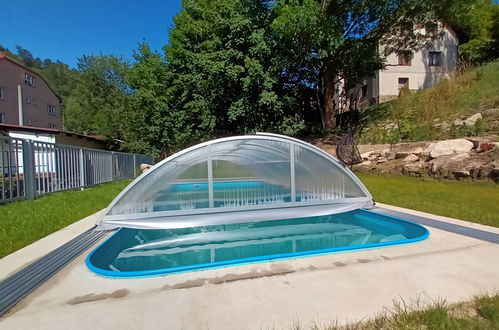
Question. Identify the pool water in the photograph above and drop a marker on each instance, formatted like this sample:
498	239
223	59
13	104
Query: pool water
140	252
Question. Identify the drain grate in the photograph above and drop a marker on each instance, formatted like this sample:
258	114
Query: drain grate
450	227
14	288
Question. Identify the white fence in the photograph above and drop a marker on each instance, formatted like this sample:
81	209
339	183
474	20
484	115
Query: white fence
30	169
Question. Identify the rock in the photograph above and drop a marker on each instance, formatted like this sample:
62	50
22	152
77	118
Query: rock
470	121
402	154
144	167
443	125
458	122
425	154
366	163
416	168
475	143
461	173
484	146
385	152
391	156
417	151
382	160
366	155
450	147
460	157
411	159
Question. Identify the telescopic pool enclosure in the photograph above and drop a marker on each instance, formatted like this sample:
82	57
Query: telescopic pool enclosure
237	179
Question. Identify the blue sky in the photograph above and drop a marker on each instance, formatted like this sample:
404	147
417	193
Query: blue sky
67	29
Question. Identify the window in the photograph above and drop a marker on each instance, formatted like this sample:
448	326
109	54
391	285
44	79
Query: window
364	91
52	126
403	82
29	79
435	59
51	109
2	117
34	101
2	93
29	122
28	100
404	58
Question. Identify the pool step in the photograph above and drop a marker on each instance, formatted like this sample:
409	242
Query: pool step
14	288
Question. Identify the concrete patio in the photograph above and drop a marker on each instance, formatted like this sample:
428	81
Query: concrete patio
341	287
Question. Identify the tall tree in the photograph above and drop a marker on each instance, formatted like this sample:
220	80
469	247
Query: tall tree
99	103
341	39
224	72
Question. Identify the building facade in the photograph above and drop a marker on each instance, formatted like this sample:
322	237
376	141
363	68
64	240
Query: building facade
419	69
26	99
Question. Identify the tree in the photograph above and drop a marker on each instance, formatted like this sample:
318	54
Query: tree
333	40
100	102
224	72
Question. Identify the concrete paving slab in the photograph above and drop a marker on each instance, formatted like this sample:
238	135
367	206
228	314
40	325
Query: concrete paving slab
340	287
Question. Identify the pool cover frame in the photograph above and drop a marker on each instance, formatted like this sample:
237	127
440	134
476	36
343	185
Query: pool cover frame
213	215
252	260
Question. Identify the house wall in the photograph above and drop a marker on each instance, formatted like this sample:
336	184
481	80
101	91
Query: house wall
420	73
35	111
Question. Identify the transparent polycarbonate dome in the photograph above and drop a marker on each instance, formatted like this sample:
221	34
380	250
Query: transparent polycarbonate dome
238	179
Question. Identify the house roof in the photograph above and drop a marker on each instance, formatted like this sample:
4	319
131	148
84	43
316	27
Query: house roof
41	130
5	57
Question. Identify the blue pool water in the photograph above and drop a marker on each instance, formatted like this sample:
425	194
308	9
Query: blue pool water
139	252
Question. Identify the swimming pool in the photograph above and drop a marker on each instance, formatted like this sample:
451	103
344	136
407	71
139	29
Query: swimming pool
151	252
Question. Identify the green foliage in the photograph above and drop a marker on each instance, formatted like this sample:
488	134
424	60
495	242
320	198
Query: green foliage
27	221
225	78
99	102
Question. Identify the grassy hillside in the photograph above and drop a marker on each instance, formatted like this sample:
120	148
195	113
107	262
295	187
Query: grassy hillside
430	114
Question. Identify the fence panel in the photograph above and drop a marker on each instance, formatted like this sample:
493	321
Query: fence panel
11	164
32	168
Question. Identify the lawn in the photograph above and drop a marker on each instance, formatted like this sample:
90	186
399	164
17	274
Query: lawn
22	223
475	201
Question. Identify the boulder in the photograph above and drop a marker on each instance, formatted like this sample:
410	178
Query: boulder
415	168
411	159
366	163
470	121
449	147
417	151
366	155
460	157
402	154
425	154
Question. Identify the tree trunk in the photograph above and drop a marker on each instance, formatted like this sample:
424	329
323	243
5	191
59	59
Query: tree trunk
328	90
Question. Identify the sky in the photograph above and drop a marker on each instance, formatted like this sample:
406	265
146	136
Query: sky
67	29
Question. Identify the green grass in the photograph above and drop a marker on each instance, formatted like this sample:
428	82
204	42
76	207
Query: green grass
22	223
475	201
480	313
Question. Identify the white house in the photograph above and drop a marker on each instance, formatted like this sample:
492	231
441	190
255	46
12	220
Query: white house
418	69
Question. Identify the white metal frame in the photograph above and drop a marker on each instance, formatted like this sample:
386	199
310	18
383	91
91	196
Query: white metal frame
169	219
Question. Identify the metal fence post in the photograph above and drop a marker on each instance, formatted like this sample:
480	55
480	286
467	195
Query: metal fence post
29	169
112	165
82	170
134	173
